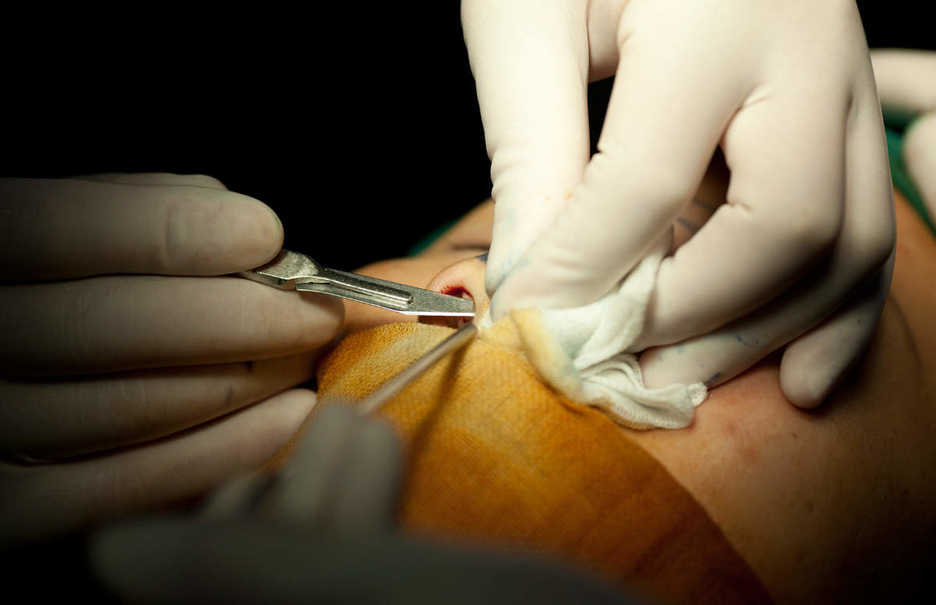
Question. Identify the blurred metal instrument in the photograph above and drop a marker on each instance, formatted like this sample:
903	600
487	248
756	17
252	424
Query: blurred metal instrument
294	271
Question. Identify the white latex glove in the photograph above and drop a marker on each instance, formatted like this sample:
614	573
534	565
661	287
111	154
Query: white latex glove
800	254
906	82
108	351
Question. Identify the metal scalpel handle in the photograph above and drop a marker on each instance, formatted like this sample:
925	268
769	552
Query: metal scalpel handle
285	271
294	271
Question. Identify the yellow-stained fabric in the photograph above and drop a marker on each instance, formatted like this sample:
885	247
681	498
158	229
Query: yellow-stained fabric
495	455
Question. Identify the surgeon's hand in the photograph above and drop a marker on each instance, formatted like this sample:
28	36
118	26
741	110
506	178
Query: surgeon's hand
906	81
801	253
320	530
135	374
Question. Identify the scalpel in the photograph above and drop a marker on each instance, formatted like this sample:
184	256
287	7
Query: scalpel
294	271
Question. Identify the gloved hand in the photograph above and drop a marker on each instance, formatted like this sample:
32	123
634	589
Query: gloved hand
906	81
801	253
322	529
105	346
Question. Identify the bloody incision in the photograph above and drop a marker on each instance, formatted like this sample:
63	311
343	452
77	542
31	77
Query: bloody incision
459	291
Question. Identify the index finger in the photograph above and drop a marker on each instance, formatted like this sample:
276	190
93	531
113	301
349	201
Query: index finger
67	228
906	79
344	476
531	66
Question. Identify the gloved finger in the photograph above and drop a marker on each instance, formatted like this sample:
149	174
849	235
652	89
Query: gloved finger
721	355
869	235
784	209
906	79
919	155
61	228
304	488
48	500
155	178
237	498
531	65
109	324
46	420
365	500
865	243
658	137
172	560
343	478
815	363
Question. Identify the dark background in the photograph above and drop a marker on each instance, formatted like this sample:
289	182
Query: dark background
357	123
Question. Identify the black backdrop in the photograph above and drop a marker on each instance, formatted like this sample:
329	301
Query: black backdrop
356	122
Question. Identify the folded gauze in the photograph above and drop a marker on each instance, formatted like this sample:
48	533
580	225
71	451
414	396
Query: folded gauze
585	352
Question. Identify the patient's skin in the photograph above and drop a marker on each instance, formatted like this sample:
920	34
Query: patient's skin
843	496
836	502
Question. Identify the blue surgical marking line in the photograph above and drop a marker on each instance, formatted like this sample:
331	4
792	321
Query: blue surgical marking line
754	343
